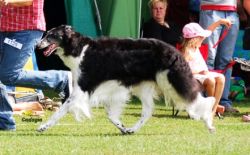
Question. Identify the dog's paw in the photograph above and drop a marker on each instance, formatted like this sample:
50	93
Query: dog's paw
212	130
42	128
127	131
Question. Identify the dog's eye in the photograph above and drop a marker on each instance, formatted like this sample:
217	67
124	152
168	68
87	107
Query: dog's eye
52	37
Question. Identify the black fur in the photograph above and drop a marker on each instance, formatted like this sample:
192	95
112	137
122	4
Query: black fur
129	61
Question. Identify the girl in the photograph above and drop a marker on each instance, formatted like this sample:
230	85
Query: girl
194	35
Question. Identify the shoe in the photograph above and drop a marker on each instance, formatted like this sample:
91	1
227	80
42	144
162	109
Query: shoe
220	109
246	118
51	104
231	110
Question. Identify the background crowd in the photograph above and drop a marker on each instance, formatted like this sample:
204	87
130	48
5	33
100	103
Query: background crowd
172	15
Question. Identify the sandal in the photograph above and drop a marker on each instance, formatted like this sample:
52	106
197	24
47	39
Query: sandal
220	111
50	104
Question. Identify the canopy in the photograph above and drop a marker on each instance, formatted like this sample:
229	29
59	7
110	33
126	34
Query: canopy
118	18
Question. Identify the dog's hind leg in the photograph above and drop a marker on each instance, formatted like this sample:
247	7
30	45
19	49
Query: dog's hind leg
201	108
114	96
114	111
146	92
147	110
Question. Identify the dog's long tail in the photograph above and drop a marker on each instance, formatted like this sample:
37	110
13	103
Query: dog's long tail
180	75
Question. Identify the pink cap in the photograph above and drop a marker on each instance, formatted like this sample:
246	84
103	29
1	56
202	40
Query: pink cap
192	30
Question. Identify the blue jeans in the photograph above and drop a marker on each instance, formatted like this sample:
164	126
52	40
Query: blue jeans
12	61
221	55
6	116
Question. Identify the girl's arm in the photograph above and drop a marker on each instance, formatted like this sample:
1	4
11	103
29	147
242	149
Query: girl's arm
225	22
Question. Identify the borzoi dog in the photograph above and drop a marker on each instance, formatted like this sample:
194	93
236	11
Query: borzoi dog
110	70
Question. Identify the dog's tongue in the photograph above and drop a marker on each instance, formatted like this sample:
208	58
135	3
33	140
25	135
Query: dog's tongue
49	50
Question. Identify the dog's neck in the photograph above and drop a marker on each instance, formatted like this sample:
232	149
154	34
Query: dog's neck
75	43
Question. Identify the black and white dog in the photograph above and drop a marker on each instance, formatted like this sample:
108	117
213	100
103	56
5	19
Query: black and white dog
110	70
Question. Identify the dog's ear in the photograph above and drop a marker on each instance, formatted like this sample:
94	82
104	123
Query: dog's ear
69	31
68	28
70	37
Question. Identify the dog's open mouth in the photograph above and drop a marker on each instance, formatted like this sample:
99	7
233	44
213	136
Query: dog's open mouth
50	49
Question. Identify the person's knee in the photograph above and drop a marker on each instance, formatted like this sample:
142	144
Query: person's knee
2	86
220	79
209	85
9	79
209	81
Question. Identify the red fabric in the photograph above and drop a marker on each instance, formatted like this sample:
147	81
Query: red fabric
229	65
224	34
204	51
219	7
22	18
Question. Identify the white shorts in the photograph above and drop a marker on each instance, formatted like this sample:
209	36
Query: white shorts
201	78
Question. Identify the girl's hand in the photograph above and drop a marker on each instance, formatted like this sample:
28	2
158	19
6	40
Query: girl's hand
226	22
203	72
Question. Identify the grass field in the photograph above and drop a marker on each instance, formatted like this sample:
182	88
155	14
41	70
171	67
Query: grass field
162	134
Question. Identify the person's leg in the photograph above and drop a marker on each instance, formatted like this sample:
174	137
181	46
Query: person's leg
209	86
15	75
219	87
225	48
225	54
7	121
208	17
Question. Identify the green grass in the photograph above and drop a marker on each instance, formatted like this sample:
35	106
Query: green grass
162	134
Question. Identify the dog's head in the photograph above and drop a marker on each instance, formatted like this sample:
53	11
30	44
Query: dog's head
54	39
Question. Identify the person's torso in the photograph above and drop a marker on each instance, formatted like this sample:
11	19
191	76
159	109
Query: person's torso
22	18
171	34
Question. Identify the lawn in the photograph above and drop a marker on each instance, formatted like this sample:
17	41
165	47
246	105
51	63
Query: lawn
162	134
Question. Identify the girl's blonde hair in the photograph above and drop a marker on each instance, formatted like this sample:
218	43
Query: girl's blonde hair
189	43
152	2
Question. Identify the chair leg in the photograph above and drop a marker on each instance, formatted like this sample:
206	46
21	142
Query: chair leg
174	113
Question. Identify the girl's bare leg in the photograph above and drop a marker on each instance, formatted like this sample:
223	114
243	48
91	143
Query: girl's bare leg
219	87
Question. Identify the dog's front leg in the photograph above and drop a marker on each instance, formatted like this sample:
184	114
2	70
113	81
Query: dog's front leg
56	116
147	110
